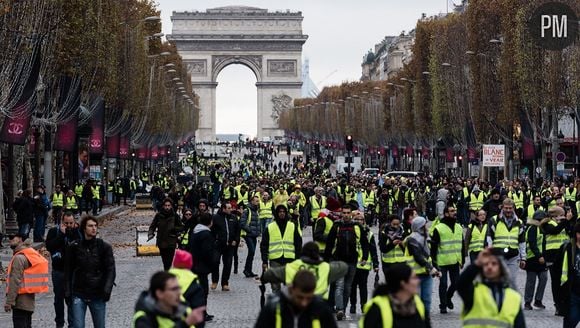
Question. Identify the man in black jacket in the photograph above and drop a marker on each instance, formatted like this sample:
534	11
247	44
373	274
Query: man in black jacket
202	249
344	240
297	306
89	275
57	240
226	229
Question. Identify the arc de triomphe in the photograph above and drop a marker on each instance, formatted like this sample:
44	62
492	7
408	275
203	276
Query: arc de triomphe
269	43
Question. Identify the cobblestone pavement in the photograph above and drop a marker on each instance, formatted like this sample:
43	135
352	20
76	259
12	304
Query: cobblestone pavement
237	308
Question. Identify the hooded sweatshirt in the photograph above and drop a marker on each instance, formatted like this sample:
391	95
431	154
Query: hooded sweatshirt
417	243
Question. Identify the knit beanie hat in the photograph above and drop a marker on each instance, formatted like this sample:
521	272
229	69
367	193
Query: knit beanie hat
182	260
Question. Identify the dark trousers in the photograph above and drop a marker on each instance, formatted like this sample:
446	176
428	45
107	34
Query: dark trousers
21	318
56	215
361	278
554	282
204	282
251	243
226	255
59	300
236	259
167	257
445	294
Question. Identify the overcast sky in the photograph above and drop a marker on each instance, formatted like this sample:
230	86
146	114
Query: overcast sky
340	33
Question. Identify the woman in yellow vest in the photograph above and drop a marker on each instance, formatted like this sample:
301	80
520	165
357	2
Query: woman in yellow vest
475	234
391	244
396	303
489	302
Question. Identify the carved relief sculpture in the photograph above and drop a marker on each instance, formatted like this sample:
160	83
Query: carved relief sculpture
280	103
197	67
282	67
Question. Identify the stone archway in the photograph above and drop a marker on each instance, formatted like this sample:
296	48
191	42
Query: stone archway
269	43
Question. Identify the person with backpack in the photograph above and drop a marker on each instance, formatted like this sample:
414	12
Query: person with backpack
345	240
25	266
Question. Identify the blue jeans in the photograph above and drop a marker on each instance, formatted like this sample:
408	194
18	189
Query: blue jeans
264	224
573	317
251	243
344	287
97	307
58	288
39	227
96	204
24	228
426	290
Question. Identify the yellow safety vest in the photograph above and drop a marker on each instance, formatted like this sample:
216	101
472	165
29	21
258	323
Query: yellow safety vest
185	278
414	264
368	265
531	211
555	241
79	190
565	268
71	203
505	238
395	255
162	322
570	196
321	271
243	199
384	304
518	200
539	242
315	207
328	225
265	210
476	202
301	197
57	200
96	192
484	313
281	246
477	238
132	185
449	251
368	199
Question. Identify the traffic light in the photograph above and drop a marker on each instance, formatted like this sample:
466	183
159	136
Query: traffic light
348	143
288	150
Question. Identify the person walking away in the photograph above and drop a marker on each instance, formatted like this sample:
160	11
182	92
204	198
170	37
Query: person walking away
226	230
202	249
57	240
362	270
296	306
89	275
168	226
396	304
345	240
325	273
475	234
57	202
322	227
161	305
448	253
556	233
506	232
569	280
27	276
489	301
41	207
316	203
266	208
391	244
24	207
535	264
250	225
191	290
418	257
281	241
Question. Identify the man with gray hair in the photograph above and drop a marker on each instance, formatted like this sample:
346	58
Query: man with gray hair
506	232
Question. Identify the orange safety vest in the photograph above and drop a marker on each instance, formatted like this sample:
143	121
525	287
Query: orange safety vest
35	278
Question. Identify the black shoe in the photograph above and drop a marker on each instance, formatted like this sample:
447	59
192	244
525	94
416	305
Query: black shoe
352	309
450	304
539	305
528	306
339	315
443	311
235	271
208	317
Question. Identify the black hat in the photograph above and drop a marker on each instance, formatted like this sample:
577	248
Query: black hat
540	215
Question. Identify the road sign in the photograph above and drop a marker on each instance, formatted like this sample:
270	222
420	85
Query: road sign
560	166
494	155
538	170
560	157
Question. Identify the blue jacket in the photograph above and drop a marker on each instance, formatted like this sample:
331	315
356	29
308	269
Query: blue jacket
250	222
